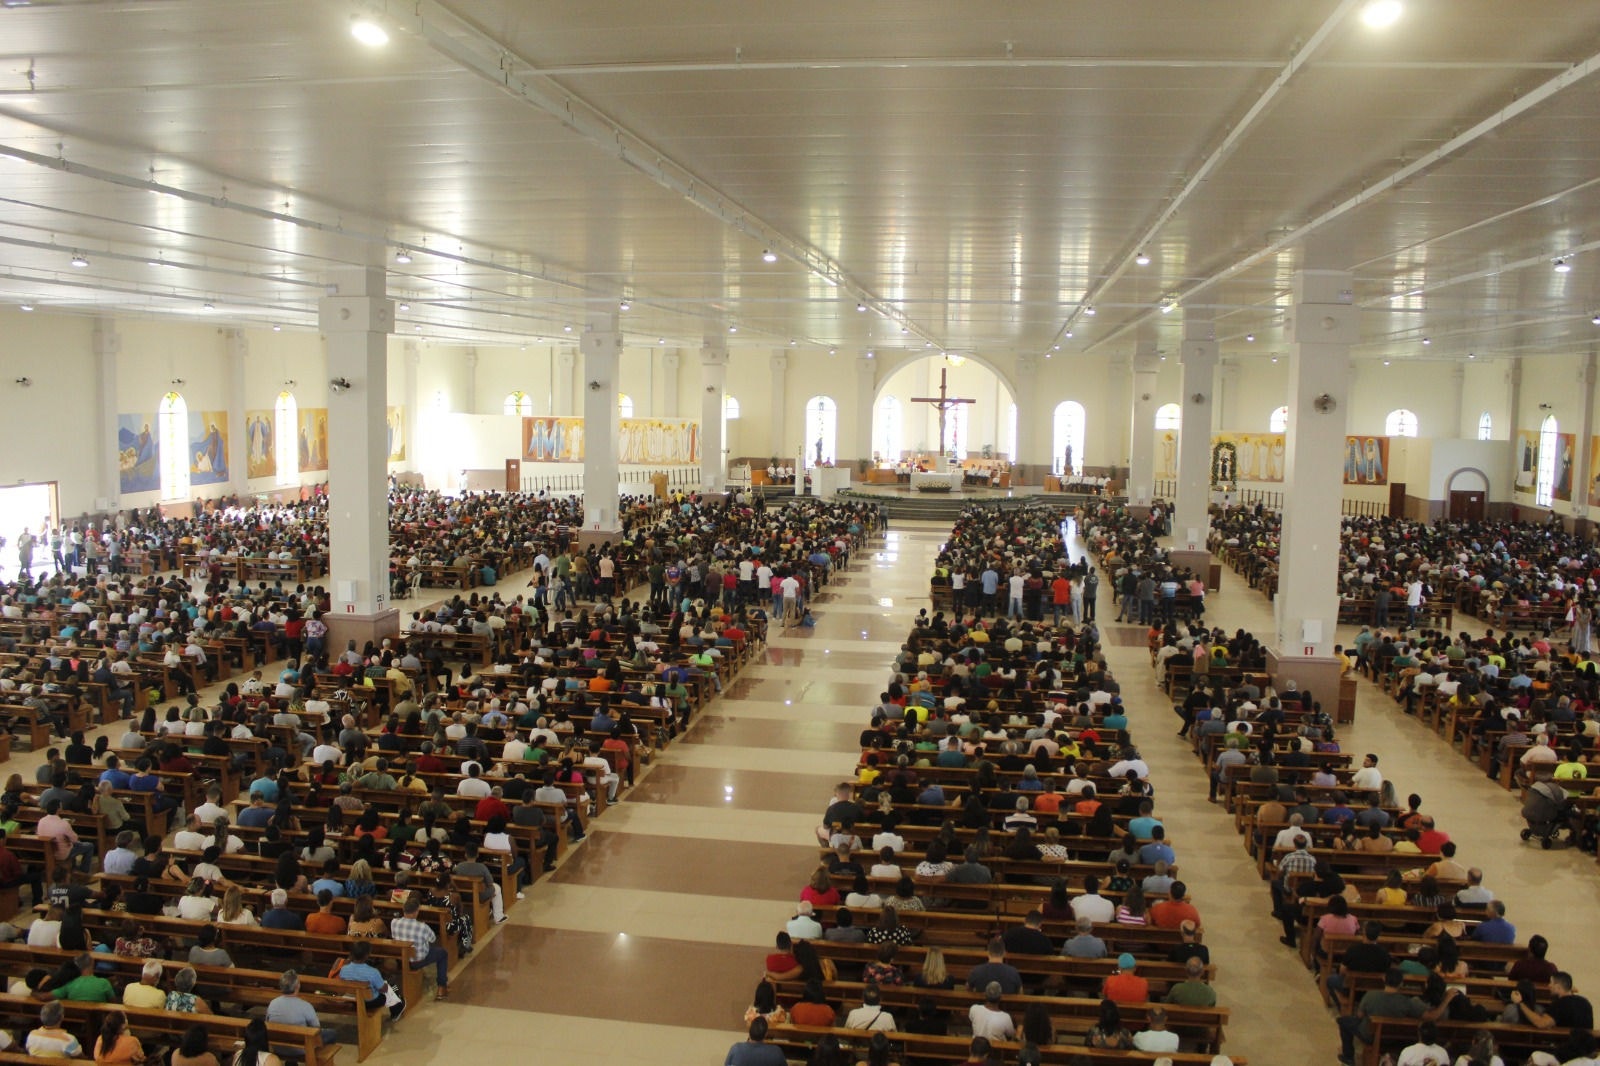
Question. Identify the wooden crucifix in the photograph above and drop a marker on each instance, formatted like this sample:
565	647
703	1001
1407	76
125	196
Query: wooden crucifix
942	403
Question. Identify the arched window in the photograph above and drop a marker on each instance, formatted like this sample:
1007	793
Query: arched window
1278	421
730	409
1400	423
518	403
886	427
1069	437
285	442
822	429
1011	434
1544	493
1169	416
624	405
172	430
1486	426
955	432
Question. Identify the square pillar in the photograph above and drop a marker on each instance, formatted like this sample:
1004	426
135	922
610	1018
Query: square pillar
1191	516
713	382
1142	436
1029	425
602	357
1323	323
671	363
778	397
107	344
866	394
356	323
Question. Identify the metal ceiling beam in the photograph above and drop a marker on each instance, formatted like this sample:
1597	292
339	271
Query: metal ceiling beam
1199	175
477	50
1523	104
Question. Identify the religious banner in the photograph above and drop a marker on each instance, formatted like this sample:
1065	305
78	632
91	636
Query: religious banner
659	442
1594	471
1527	461
552	439
313	442
1366	460
261	447
1239	457
138	454
208	447
1566	466
397	434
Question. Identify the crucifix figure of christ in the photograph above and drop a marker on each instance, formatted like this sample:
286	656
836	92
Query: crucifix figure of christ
943	403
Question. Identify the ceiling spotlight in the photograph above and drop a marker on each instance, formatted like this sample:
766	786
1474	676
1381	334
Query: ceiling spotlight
872	355
1427	340
860	306
416	329
1142	259
79	261
1381	14
1048	354
661	340
1068	335
1167	305
1386	362
833	351
566	329
769	256
369	33
1250	337
793	342
402	257
29	307
277	329
1561	266
1472	355
1274	359
625	306
405	307
1055	347
904	329
1089	310
208	306
1595	319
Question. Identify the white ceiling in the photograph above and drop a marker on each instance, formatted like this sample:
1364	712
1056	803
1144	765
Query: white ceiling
974	174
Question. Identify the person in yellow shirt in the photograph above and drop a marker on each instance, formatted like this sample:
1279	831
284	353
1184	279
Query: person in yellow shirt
146	994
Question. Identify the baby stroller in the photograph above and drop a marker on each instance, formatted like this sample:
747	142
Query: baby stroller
1548	812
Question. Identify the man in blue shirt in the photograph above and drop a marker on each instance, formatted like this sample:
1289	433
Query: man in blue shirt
279	916
991	586
329	880
755	1051
358	968
1495	929
1158	849
288	1008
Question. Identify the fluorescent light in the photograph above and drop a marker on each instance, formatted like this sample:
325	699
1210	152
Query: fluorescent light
1381	14
369	33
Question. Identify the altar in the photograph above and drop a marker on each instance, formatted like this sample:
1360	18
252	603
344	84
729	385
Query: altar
936	481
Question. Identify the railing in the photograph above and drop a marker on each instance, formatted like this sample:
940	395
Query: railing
631	482
1365	508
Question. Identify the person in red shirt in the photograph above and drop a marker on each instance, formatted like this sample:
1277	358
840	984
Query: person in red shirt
1124	985
1172	912
489	807
1431	839
1060	598
428	762
781	965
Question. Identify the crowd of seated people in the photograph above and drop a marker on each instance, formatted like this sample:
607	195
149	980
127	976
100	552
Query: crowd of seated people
402	792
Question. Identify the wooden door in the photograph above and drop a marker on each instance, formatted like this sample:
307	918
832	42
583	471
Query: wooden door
1467	506
513	475
1397	499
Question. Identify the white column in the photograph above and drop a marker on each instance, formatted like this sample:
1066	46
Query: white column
413	410
356	323
1581	474
1322	325
866	395
1514	389
1113	452
566	373
107	345
467	402
1458	388
778	397
1142	431
1030	422
602	357
237	347
1228	396
1191	517
713	381
671	363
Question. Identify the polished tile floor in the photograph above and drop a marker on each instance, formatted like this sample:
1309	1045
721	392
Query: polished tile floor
646	944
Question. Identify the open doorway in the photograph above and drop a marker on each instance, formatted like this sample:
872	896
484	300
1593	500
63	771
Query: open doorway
30	508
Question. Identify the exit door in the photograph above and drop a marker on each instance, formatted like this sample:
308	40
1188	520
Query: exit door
1466	506
1397	499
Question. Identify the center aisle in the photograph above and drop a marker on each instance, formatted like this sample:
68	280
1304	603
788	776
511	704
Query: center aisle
657	926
